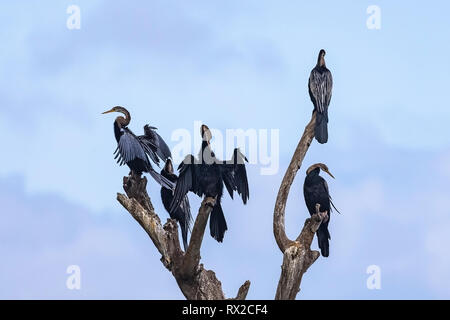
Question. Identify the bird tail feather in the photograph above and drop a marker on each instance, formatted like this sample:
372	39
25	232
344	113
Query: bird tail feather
217	223
184	230
321	129
162	181
185	219
323	237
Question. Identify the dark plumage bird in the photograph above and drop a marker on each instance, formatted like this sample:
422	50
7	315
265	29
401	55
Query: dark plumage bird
207	176
315	190
135	150
182	214
320	86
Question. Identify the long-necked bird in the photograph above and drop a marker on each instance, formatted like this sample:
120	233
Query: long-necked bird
315	191
320	86
182	214
135	150
206	176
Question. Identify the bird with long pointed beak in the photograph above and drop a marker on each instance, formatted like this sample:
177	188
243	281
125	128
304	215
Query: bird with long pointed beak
316	193
135	151
320	87
206	176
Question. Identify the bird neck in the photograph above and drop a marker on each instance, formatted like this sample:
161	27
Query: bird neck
205	144
321	61
169	175
206	153
124	121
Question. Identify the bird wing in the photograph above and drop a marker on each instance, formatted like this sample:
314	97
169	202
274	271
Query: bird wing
187	181
320	86
149	150
329	87
155	145
325	186
316	193
186	209
234	175
129	148
322	193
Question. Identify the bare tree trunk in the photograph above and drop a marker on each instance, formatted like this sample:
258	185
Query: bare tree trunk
297	255
194	280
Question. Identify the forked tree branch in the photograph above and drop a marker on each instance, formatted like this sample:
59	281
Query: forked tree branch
192	256
195	282
297	255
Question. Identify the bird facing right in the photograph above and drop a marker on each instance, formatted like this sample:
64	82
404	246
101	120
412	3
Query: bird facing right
315	191
320	86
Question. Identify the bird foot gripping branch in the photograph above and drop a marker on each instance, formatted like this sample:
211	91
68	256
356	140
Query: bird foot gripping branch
210	202
322	215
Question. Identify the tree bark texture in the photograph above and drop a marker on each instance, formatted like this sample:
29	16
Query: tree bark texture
195	282
297	255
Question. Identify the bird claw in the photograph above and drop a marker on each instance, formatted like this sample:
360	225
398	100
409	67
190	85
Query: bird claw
323	216
210	202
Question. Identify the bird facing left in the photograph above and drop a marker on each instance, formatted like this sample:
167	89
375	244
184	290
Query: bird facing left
135	151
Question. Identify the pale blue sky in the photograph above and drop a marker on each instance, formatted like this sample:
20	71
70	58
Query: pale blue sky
231	64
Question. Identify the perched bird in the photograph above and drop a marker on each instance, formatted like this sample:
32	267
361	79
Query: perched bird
135	150
182	214
320	85
206	177
315	190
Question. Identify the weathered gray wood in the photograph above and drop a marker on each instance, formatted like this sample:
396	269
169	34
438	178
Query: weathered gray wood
297	255
192	257
195	282
297	258
243	291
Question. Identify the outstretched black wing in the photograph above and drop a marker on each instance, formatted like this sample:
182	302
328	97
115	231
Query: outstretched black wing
129	148
187	181
234	175
155	146
132	151
320	88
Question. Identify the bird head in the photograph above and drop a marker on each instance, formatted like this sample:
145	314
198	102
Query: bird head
320	166
206	133
168	167
122	121
117	109
321	58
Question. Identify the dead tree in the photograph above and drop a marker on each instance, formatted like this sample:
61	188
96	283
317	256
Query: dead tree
297	255
194	280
